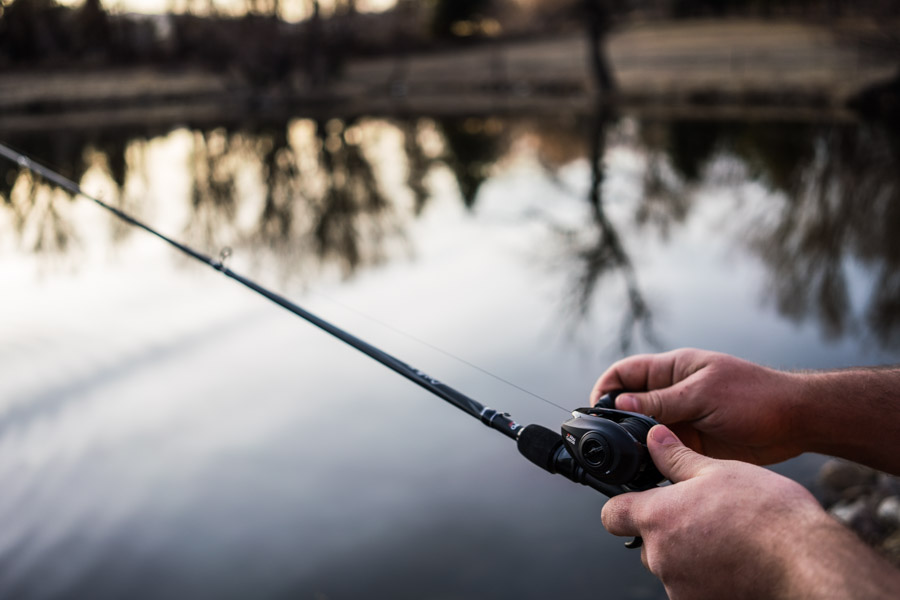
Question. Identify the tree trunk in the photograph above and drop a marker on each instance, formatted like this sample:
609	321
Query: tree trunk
599	21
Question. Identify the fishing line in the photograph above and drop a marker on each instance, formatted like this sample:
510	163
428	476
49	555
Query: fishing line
219	264
72	187
600	446
446	353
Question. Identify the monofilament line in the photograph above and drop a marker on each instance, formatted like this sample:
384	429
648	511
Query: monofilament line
439	349
75	189
496	420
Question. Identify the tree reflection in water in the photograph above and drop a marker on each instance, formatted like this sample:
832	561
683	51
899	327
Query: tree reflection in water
841	205
350	217
473	146
36	217
608	254
418	161
597	252
321	202
835	200
281	171
673	168
39	212
213	164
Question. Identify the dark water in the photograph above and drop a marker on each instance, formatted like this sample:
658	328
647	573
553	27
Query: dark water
166	434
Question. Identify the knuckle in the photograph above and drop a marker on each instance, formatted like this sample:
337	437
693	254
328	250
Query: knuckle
652	404
680	456
621	515
606	515
654	558
612	514
683	463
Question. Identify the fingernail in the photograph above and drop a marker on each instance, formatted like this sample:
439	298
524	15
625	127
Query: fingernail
663	435
629	403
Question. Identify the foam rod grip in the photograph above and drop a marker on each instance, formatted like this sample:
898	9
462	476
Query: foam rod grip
539	445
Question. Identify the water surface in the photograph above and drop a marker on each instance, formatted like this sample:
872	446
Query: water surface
165	433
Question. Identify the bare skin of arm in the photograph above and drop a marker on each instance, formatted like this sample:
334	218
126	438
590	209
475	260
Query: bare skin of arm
729	529
725	407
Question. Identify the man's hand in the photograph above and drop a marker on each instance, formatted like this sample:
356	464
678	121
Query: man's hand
719	405
725	407
727	529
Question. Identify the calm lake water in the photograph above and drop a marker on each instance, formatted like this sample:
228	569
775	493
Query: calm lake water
164	433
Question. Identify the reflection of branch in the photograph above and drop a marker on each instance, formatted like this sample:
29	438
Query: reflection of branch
883	315
38	224
335	209
804	252
605	255
330	209
844	204
663	202
665	199
473	146
321	203
282	178
212	199
418	165
352	204
35	205
111	155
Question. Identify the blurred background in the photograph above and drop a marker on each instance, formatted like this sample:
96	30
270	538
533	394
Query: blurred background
533	188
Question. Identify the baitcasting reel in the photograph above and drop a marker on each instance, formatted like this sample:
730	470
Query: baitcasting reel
600	447
611	445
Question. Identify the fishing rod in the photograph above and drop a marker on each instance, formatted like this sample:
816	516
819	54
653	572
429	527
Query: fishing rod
600	447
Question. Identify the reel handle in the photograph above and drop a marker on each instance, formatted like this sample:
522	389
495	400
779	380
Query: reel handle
608	400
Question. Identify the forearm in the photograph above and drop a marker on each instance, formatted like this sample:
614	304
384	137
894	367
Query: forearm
829	561
852	414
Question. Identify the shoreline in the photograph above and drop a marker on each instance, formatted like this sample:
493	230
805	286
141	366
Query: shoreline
710	69
215	113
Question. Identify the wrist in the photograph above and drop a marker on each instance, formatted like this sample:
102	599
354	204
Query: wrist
822	421
801	409
807	409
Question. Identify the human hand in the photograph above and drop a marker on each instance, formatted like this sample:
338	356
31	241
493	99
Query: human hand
727	529
719	405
